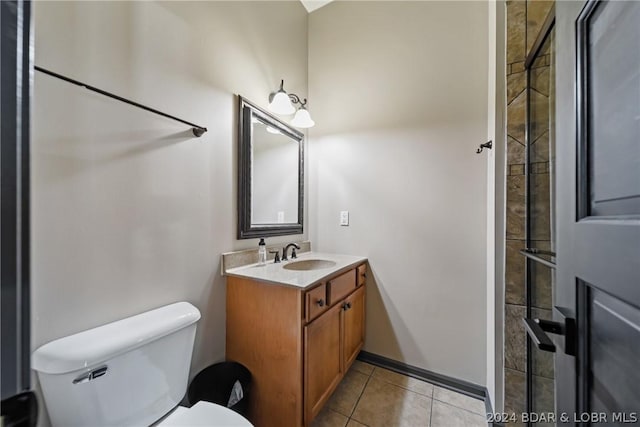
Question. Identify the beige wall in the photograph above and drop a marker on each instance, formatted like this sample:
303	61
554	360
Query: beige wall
130	211
399	92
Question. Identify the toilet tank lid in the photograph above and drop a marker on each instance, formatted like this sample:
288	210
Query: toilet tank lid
88	348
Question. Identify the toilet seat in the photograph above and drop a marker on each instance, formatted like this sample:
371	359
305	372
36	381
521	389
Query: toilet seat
204	414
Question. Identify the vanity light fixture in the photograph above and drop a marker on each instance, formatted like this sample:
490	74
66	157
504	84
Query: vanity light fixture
302	119
281	102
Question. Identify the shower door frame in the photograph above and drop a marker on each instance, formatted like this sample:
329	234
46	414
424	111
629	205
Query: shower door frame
530	258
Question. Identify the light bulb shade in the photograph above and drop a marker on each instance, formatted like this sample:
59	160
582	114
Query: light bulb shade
281	104
302	119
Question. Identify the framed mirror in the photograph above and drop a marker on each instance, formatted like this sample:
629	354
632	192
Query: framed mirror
270	174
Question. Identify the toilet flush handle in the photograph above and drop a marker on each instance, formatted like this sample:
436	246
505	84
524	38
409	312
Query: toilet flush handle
91	375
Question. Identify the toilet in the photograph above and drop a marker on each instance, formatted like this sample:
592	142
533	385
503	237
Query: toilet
132	372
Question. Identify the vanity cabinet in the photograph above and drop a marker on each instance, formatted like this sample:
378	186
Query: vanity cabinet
353	326
323	364
332	343
297	342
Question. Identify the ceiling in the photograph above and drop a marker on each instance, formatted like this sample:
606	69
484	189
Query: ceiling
312	5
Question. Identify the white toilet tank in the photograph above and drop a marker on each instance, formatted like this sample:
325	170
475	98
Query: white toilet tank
127	373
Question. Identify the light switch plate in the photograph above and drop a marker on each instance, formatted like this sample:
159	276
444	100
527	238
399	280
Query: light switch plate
344	218
280	217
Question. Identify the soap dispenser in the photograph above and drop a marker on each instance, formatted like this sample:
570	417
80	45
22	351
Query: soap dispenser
262	252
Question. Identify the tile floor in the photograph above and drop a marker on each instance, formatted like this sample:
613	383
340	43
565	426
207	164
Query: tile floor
376	397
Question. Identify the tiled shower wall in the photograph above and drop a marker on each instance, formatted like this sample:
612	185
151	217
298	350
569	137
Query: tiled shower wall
524	22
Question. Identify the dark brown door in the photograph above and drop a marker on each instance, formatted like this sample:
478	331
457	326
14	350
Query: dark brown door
19	405
598	211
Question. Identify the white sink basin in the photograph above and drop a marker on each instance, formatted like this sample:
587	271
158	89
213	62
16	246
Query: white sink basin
309	264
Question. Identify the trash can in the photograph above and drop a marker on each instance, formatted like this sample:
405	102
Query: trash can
217	384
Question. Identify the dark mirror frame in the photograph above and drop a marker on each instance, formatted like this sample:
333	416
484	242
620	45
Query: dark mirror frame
246	230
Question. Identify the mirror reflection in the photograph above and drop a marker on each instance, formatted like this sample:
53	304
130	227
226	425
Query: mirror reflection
274	187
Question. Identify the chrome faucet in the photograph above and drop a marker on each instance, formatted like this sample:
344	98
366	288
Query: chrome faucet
293	251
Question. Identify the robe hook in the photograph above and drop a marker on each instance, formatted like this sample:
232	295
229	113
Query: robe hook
488	145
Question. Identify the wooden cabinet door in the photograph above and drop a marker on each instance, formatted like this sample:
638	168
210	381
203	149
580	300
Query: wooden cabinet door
323	367
353	308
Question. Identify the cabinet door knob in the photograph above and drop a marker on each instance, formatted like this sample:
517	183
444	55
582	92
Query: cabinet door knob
346	306
364	275
320	303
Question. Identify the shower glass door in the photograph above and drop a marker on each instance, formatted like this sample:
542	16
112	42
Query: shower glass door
540	220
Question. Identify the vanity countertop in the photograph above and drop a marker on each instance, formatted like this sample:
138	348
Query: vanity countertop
276	273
